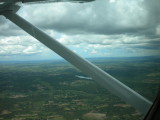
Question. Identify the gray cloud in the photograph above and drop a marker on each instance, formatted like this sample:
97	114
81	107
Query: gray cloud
20	45
123	24
99	17
8	28
153	16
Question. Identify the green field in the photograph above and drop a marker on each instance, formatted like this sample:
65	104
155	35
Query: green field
49	90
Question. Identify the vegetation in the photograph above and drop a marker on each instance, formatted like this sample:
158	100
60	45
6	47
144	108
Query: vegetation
49	90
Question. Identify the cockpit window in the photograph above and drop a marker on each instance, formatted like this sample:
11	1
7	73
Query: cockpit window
120	37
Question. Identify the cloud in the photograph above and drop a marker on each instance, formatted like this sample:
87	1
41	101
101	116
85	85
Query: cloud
99	17
8	28
93	51
20	45
158	30
110	41
104	27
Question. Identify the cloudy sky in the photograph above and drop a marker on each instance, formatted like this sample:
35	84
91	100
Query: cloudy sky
103	28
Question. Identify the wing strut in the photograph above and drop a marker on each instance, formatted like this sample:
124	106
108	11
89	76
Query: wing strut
103	78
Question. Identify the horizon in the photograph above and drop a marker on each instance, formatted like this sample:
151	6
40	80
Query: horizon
90	59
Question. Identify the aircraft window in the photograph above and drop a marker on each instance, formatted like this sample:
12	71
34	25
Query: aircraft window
120	37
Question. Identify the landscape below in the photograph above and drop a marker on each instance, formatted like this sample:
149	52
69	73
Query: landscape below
50	90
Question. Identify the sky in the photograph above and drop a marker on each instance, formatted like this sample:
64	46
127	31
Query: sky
103	28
